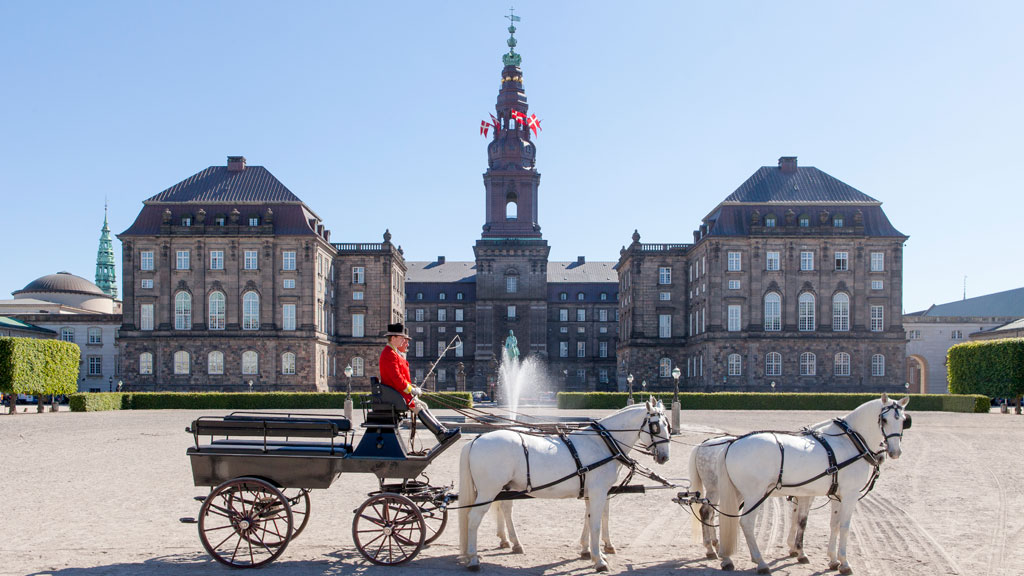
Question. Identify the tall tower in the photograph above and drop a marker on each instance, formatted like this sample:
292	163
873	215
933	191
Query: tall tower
511	255
106	275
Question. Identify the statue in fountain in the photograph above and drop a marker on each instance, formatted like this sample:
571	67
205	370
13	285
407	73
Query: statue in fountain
511	347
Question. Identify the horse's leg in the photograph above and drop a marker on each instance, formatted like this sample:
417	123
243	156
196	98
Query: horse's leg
798	525
595	509
846	508
476	515
499	515
508	511
606	534
585	534
833	536
747	524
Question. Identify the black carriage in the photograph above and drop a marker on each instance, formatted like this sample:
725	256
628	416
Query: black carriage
262	466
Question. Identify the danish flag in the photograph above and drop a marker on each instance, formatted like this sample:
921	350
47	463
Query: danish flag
497	127
484	126
534	124
518	116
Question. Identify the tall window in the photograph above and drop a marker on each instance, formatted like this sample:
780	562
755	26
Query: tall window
182	260
665	368
772	261
182	311
563	314
250	362
251	261
95	335
288	363
735	365
602	349
842	364
773	364
807	260
68	334
877	365
358	275
145	318
581	349
442	314
581	314
146	363
216	311
808	363
358	325
458	349
419	348
806	312
602	315
288	317
215	363
772	312
420	314
288	263
95	365
563	349
878	261
216	259
440	348
664	326
734	318
511	284
251	311
511	312
842	261
841	312
735	261
459	315
664	275
357	366
877	318
181	362
146	263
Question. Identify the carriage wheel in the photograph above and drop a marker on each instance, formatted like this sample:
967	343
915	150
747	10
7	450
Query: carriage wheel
435	518
298	500
388	529
245	523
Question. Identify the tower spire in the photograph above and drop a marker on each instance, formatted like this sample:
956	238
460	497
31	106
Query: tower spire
106	274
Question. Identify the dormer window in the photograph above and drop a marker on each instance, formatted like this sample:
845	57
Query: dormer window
186	221
220	221
563	296
805	221
837	222
254	221
580	296
769	221
442	296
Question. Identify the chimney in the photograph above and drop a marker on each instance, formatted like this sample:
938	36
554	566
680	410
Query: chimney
440	259
580	260
787	164
236	163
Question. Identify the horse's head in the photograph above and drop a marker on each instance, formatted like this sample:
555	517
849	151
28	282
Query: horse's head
893	420
656	431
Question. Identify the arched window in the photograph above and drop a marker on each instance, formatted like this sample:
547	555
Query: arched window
146	363
67	334
735	365
216	308
808	364
251	311
181	362
511	210
772	312
183	311
806	312
215	363
878	365
773	364
665	368
250	362
357	366
840	312
842	366
288	363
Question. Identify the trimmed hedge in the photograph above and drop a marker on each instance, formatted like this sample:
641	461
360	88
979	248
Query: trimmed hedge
38	367
994	368
772	401
89	402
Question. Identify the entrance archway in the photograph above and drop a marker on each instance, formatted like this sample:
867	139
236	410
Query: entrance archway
917	374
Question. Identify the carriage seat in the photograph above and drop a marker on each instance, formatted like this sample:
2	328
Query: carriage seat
387	406
284	420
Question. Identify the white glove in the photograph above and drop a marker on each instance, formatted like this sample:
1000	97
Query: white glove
416	391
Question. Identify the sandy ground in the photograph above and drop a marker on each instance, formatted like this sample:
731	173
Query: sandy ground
102	493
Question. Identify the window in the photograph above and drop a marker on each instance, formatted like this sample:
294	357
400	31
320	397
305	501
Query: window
735	261
808	364
957	335
602	349
220	221
581	314
181	362
288	363
604	296
878	261
735	365
250	362
68	334
664	275
772	312
664	325
805	312
254	221
563	349
773	364
842	261
95	336
459	315
146	263
145	318
357	366
358	325
419	348
419	375
564	330
442	314
288	263
511	312
359	277
581	329
419	295
581	349
458	349
805	222
357	295
511	284
807	261
215	363
563	314
419	314
876	284
182	311
442	296
289	283
733	321
95	365
458	296
288	317
440	348
772	260
914	335
769	221
842	364
602	315
877	365
877	318
602	376
216	259
251	260
665	296
840	312
734	284
837	221
146	363
216	319
563	296
665	368
580	296
182	260
250	311
147	283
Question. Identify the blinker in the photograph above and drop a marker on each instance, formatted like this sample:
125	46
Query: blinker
906	422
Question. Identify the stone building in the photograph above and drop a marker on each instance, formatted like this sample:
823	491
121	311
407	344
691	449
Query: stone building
231	282
793	279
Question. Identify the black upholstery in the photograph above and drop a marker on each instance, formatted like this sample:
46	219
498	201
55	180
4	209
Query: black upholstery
387	397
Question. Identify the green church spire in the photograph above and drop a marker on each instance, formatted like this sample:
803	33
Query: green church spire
106	275
512	59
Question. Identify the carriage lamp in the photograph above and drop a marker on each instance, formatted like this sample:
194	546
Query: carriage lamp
676	406
629	380
348	393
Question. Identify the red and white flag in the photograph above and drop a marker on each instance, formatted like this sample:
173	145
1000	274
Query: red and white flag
497	127
517	115
534	124
484	126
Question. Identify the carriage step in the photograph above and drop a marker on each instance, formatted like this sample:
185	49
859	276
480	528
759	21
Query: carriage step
199	498
188	520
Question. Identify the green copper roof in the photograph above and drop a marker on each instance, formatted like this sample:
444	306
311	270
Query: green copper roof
106	274
512	59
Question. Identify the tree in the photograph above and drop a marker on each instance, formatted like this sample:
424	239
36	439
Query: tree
38	367
994	368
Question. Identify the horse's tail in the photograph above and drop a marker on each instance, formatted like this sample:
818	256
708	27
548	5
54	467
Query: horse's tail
696	485
467	495
729	509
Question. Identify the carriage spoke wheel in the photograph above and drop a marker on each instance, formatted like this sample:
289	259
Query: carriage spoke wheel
435	518
298	500
245	523
388	529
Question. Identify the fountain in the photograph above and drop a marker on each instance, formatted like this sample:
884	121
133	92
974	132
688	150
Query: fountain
516	376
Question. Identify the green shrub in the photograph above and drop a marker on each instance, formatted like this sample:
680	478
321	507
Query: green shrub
771	401
994	368
38	367
97	401
240	400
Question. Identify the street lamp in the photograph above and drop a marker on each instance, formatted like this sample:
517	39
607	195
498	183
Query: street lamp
348	394
676	373
629	380
773	385
120	384
250	386
676	406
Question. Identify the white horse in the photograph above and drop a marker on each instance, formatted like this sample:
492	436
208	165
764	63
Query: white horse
753	469
509	460
503	512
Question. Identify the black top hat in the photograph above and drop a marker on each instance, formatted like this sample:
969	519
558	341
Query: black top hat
397	330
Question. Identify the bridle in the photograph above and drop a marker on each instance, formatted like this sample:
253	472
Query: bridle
897	411
652	427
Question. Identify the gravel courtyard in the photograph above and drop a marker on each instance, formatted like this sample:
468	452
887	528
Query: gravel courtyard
102	493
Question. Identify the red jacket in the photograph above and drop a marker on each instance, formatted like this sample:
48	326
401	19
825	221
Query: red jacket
394	372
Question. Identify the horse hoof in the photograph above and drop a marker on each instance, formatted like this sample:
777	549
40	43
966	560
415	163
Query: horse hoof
585	554
727	566
763	570
517	549
803	560
833	565
504	545
601	568
846	570
711	555
793	554
609	549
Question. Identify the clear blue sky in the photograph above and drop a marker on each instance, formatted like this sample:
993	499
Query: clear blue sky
653	112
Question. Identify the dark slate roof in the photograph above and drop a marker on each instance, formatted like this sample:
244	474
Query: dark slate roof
216	184
805	185
574	272
432	291
1009	303
1009	327
16	324
435	272
289	219
735	219
591	293
62	282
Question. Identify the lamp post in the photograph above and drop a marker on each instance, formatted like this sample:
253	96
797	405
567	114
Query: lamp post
676	406
773	385
250	386
348	392
629	380
120	385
